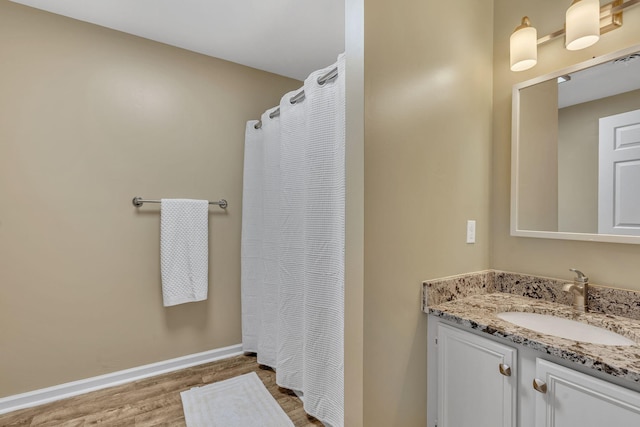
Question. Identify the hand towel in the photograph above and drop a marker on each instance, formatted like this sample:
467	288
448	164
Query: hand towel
184	252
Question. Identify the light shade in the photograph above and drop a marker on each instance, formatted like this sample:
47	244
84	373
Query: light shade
582	24
524	46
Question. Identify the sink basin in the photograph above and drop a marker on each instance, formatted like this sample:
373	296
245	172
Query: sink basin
565	328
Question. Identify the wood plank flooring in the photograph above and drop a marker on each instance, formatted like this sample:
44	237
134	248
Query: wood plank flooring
153	401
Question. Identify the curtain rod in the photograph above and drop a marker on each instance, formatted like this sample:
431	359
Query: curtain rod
300	95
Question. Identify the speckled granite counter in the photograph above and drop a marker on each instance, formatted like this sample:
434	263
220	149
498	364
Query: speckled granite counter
473	301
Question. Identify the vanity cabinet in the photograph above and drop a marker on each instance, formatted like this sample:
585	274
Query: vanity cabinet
571	398
476	380
469	385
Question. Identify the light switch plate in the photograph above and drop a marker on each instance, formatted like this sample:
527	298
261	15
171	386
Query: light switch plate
471	231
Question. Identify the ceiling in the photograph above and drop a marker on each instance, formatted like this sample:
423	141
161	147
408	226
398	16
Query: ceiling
603	80
287	37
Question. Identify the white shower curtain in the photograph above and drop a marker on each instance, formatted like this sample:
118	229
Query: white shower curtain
293	244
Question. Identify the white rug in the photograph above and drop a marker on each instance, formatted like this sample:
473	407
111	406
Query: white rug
237	402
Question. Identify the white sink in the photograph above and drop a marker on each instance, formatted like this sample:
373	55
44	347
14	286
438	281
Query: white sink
565	328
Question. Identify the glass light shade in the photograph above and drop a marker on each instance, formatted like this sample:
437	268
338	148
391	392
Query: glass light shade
524	47
582	24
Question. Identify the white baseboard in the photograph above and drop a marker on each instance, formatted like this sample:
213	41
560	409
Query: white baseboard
63	391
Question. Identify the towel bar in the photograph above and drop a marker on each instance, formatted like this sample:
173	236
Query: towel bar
139	201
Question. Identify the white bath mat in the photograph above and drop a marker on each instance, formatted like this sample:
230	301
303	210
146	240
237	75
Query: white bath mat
237	402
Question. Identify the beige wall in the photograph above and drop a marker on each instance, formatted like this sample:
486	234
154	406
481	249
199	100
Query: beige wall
90	118
538	154
578	159
427	170
605	263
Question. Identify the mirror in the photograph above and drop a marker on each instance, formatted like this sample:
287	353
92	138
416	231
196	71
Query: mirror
575	152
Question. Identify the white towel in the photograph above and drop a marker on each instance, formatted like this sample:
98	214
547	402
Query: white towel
184	252
237	402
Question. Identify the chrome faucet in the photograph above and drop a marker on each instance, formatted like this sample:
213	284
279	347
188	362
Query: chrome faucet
580	290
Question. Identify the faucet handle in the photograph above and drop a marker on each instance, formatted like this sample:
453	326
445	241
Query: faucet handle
581	277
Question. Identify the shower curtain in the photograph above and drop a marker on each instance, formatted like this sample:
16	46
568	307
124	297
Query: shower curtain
293	243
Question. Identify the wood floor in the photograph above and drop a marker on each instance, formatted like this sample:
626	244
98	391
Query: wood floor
153	401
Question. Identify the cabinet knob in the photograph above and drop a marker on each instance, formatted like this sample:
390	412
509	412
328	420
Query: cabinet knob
505	370
539	385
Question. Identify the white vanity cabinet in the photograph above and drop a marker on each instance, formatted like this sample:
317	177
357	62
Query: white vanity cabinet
476	380
570	398
469	386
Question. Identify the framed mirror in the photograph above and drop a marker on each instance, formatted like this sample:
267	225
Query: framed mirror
575	152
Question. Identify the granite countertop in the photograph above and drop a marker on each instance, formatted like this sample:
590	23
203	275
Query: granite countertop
479	311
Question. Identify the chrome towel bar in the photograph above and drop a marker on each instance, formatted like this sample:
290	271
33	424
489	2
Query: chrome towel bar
139	201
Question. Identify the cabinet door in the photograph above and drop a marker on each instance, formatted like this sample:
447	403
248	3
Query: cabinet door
574	399
472	392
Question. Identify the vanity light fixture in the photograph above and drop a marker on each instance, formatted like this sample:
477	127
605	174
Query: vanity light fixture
582	24
585	22
523	46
